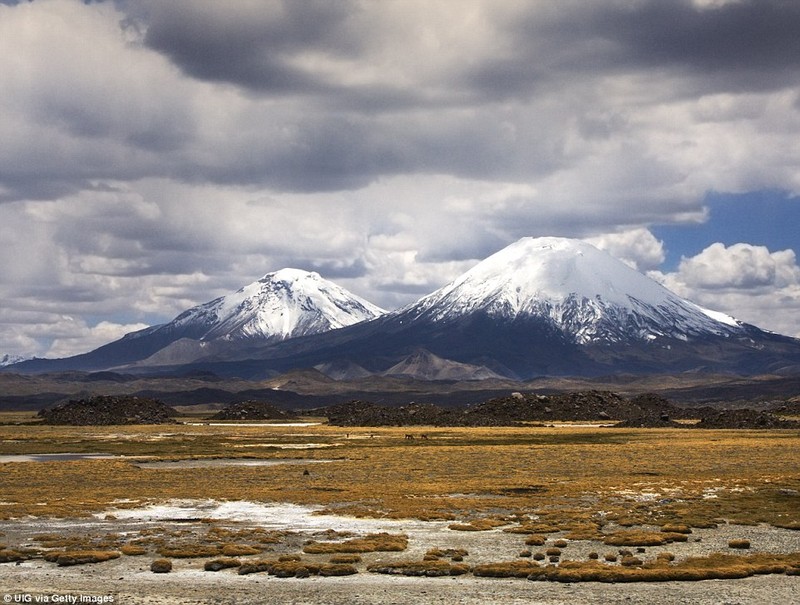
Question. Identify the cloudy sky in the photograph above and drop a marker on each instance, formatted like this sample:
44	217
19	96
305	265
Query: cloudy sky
155	155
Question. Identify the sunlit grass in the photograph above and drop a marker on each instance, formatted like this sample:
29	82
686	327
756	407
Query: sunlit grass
372	543
544	479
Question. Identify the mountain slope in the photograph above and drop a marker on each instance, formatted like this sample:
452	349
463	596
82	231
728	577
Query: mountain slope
282	305
541	306
424	365
7	360
544	306
579	290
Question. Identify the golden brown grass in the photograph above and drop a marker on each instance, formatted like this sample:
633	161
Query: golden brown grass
506	569
382	542
713	567
337	569
456	554
613	464
671	479
221	563
190	551
257	535
239	550
535	540
133	550
11	555
255	567
346	558
716	566
295	567
643	538
430	568
80	557
674	528
79	542
161	566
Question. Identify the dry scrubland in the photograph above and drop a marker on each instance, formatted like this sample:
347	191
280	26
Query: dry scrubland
574	503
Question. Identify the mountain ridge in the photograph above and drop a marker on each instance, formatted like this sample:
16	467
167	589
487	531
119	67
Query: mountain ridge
282	305
544	306
541	306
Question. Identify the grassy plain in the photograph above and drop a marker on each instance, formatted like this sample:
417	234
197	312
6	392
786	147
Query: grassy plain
531	480
553	488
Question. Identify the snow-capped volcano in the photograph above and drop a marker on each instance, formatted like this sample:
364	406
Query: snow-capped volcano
284	304
279	306
580	290
547	306
8	359
543	306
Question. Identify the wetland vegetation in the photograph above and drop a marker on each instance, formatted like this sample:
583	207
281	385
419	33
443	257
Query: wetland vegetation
564	503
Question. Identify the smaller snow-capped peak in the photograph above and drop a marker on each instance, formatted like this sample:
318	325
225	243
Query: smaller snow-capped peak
582	290
8	359
283	304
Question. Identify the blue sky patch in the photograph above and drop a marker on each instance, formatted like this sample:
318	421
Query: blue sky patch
763	218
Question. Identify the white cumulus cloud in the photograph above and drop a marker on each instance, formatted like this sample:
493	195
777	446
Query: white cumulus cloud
749	282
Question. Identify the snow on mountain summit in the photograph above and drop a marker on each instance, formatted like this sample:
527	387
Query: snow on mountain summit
581	290
283	304
8	359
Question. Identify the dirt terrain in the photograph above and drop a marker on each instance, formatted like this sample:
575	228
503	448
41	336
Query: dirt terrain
129	579
135	586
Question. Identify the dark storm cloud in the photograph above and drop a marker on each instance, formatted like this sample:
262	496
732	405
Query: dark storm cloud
321	154
744	45
183	148
249	44
750	35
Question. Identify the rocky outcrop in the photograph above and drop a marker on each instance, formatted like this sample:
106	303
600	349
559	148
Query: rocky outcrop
586	406
366	413
744	419
594	406
646	411
109	410
252	410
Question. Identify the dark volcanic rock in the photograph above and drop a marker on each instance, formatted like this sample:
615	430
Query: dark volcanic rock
744	419
252	410
644	410
655	412
578	406
651	403
359	413
509	410
790	408
106	410
365	413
